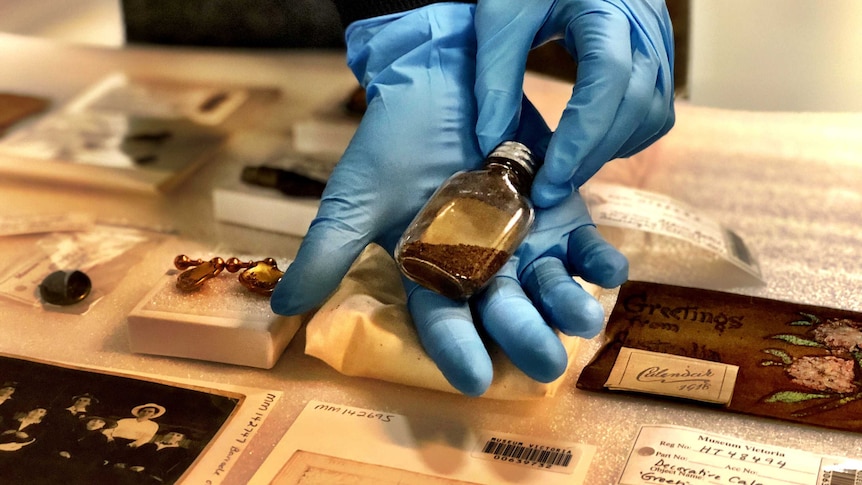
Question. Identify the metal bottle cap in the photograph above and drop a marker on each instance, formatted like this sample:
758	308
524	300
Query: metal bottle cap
518	153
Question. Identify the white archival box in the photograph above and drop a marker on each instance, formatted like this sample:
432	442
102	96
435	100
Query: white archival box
313	150
264	208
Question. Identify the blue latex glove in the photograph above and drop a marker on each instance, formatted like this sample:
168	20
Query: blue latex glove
623	95
418	68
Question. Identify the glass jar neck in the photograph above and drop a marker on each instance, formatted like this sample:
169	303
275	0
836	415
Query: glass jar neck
517	159
519	176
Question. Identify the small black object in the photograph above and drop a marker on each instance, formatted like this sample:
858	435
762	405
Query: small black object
155	137
214	101
287	182
65	287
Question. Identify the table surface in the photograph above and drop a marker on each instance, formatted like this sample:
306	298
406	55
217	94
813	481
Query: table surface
788	183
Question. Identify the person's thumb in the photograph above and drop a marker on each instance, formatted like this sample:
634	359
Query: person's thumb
326	253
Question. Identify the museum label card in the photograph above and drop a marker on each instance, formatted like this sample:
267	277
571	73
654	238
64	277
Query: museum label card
373	446
685	456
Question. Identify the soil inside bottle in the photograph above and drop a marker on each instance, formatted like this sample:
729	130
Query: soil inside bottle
456	271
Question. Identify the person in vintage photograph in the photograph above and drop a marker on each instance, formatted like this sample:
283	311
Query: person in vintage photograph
140	429
63	423
160	461
7	403
21	441
25	428
81	459
82	404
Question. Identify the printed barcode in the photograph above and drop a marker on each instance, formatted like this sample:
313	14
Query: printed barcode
852	477
529	454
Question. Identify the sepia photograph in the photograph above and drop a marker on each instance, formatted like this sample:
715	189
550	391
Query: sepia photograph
73	426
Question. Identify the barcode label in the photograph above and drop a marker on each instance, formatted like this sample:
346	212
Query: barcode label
519	452
562	458
835	472
843	478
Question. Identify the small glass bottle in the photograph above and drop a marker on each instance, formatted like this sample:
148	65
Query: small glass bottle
471	225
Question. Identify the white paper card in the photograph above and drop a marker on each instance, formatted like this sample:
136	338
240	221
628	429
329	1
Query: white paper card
678	455
627	208
331	443
41	223
672	375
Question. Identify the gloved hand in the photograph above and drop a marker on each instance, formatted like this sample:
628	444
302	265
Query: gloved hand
405	147
533	294
418	69
623	95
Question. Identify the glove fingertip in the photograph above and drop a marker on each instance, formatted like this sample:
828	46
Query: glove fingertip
473	381
449	337
497	117
563	302
604	265
590	320
487	143
548	364
467	367
290	297
570	309
608	270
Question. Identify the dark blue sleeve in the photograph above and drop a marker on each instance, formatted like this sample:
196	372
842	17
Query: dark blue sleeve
352	10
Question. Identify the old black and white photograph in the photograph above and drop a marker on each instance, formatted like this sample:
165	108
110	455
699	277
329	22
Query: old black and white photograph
73	426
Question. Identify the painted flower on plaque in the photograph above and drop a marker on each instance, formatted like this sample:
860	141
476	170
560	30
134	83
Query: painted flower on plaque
831	379
840	334
823	373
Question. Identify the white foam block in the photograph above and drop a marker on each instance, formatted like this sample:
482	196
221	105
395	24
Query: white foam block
221	322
